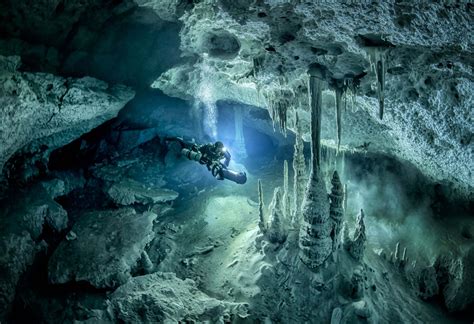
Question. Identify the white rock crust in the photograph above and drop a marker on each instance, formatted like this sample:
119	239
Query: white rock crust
43	109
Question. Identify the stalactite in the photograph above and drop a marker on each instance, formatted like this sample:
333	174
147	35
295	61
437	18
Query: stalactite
339	93
377	60
336	210
286	193
315	88
276	232
261	207
299	173
314	240
356	245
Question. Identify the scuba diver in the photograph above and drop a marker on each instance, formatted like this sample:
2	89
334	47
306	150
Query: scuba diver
211	155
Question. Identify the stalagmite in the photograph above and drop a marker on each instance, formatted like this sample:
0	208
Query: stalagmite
146	264
276	232
336	211
339	93
286	193
397	251
239	145
299	171
356	245
261	207
314	241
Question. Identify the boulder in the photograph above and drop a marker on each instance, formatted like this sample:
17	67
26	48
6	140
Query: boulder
164	298
22	218
128	192
107	247
41	112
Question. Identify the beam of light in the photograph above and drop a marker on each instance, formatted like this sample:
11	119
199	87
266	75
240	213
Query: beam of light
206	96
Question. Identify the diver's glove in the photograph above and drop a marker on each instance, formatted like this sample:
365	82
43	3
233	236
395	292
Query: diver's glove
216	170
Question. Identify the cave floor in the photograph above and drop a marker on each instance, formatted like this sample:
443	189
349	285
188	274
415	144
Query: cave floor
210	234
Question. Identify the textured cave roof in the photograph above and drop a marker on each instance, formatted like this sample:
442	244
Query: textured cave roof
429	82
258	53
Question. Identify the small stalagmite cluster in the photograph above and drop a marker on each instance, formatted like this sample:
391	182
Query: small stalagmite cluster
275	228
355	245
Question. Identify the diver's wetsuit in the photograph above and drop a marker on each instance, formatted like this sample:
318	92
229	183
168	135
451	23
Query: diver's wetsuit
211	155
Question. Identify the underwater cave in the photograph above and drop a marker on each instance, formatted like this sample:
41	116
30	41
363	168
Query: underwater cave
216	161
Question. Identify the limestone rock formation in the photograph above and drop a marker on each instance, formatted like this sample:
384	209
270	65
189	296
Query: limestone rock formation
21	225
286	191
314	238
107	247
42	110
162	298
239	143
128	192
336	211
456	280
262	224
356	244
299	174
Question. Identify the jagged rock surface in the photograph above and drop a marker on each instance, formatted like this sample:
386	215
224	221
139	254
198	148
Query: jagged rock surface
356	244
456	279
107	247
299	174
40	109
336	211
128	192
315	241
21	225
162	297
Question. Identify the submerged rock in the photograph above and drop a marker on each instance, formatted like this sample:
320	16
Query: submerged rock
164	298
108	245
456	278
43	110
23	216
128	192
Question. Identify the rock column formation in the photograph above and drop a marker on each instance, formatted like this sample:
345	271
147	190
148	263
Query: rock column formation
336	210
315	242
239	144
261	206
286	192
299	171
